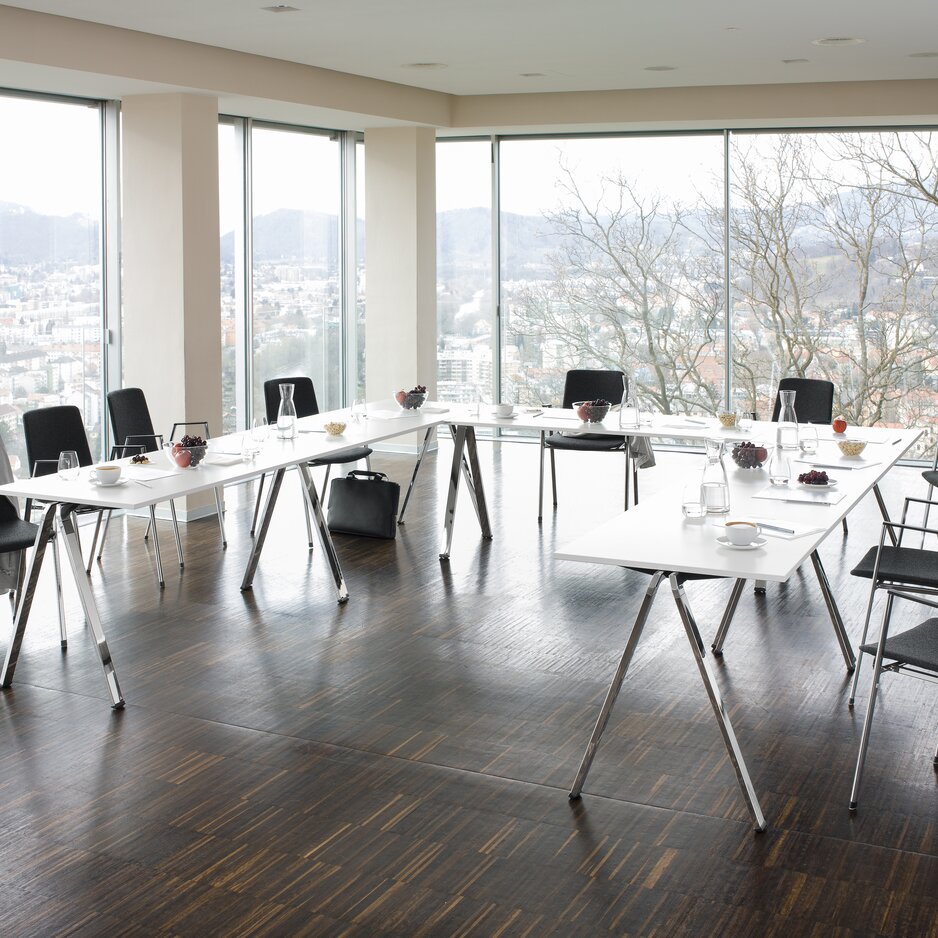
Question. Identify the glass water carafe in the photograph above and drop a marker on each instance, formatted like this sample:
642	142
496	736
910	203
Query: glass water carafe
787	421
714	486
286	415
628	409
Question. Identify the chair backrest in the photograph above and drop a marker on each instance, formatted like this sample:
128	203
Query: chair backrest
588	384
814	399
51	430
304	397
130	416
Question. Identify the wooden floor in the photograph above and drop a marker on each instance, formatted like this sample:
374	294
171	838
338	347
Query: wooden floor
399	765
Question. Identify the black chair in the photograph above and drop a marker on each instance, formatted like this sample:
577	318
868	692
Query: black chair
814	399
304	400
49	431
134	434
903	573
584	384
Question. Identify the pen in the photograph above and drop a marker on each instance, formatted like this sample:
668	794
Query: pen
775	527
146	485
897	441
703	423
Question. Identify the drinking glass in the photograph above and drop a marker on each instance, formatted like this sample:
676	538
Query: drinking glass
779	467
358	410
692	502
259	431
68	465
807	440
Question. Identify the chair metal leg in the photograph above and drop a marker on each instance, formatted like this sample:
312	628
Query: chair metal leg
727	619
838	623
844	523
172	512
28	591
616	685
59	597
73	552
635	480
866	629
257	502
272	492
928	499
878	495
368	458
627	477
325	537
553	476
94	542
716	702
871	706
221	515
540	483
413	478
156	546
107	524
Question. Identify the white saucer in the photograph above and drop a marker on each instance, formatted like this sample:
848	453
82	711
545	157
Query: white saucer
113	485
829	484
508	417
726	542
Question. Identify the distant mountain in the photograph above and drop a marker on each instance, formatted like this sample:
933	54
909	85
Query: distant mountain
28	238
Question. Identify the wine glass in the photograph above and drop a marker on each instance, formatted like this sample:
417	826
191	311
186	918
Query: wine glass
68	465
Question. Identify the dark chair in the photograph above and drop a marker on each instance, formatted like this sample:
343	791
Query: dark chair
584	384
814	399
134	434
304	400
49	431
903	573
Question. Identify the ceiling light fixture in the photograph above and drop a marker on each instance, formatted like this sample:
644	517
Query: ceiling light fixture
531	75
281	8
660	68
425	65
794	61
923	55
838	41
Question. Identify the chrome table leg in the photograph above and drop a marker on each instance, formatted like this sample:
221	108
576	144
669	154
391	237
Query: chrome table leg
73	551
59	597
221	516
94	542
716	701
273	491
257	502
24	599
107	524
616	685
156	546
325	538
459	445
307	506
839	630
172	512
413	478
477	491
540	484
727	619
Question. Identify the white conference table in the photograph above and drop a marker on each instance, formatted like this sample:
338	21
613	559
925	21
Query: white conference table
384	420
654	537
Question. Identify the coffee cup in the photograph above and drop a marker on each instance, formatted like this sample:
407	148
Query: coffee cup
504	410
108	474
741	533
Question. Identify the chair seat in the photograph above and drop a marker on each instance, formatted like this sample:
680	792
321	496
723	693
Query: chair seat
349	455
917	646
17	535
588	442
931	476
902	564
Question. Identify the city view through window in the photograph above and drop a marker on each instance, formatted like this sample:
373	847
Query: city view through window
613	253
50	265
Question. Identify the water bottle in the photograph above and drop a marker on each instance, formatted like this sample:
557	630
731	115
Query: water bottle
286	415
628	409
787	421
714	486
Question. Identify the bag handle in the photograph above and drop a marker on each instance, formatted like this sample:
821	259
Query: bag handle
365	474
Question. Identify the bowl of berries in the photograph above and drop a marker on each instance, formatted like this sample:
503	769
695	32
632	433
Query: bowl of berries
186	453
592	411
748	455
412	399
817	478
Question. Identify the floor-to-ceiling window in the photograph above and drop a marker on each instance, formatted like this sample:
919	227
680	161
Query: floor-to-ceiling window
290	268
51	310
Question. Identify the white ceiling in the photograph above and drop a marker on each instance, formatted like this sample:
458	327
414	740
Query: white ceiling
578	45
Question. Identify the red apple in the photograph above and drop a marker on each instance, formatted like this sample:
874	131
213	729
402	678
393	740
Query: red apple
839	425
400	397
761	453
183	457
582	411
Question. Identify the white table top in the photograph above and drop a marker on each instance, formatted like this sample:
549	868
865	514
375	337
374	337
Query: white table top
655	535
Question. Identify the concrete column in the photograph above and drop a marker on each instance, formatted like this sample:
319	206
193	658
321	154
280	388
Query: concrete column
172	325
400	260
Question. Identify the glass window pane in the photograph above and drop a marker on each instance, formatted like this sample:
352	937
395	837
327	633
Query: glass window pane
612	257
231	221
50	265
464	270
297	274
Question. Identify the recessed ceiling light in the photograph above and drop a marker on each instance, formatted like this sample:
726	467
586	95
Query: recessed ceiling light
425	65
732	29
660	68
923	55
531	75
794	61
281	8
838	41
